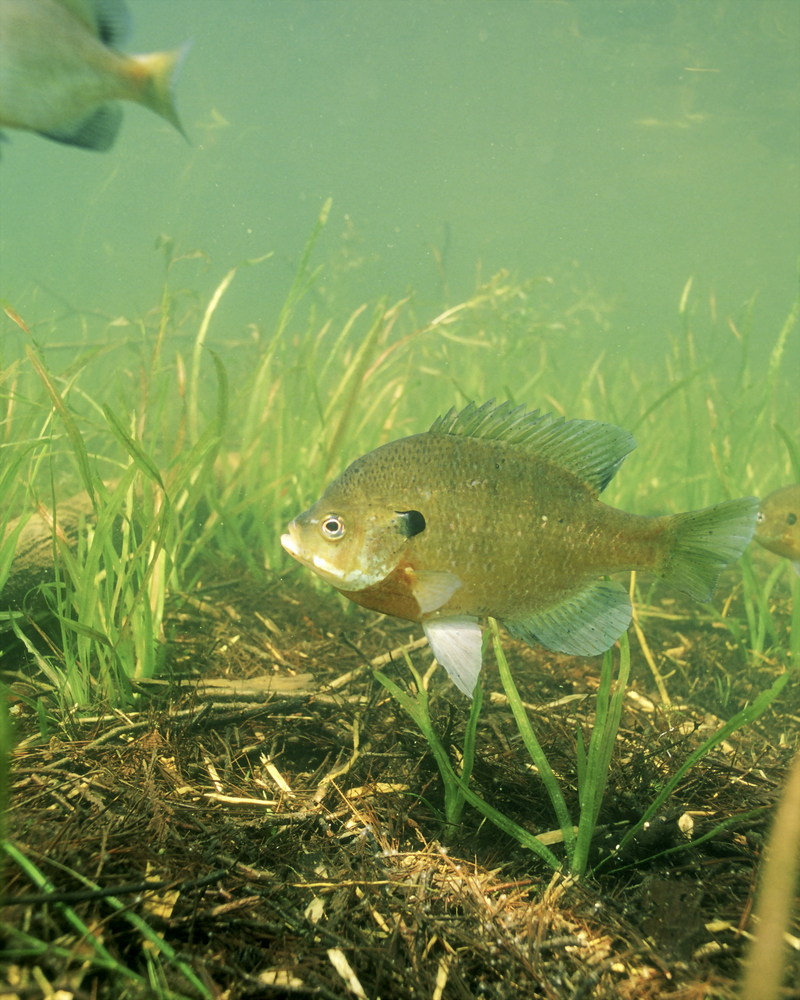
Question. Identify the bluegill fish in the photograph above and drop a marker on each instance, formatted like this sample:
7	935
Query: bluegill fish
60	71
778	523
494	511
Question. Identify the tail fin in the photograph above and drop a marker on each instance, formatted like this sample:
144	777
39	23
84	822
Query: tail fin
704	542
158	71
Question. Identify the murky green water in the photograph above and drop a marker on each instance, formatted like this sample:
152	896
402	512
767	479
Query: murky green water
626	145
618	179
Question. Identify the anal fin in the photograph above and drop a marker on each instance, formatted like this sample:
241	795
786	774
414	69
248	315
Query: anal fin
583	625
96	131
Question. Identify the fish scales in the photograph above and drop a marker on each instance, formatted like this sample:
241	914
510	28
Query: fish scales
517	530
495	512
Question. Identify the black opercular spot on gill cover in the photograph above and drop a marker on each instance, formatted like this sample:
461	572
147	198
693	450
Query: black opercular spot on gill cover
412	522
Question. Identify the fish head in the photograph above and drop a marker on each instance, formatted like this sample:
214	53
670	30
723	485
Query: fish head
778	522
352	547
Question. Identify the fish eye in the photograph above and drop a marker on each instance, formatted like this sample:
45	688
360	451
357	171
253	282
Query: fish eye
761	517
791	518
332	527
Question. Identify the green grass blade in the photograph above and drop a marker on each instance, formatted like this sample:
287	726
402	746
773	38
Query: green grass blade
70	425
470	738
134	449
452	781
532	744
43	883
747	716
592	787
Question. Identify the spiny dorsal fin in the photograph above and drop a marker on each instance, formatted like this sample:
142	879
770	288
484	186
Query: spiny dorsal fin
590	450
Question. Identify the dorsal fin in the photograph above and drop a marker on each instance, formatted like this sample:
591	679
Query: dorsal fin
108	19
590	450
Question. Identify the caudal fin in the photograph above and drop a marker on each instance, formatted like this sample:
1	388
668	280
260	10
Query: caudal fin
704	542
158	71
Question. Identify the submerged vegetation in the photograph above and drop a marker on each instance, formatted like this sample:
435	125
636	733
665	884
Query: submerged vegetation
163	460
176	464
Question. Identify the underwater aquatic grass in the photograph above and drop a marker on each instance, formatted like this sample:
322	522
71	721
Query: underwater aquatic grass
158	953
10	470
593	762
531	743
739	432
745	717
456	786
6	746
110	588
175	474
416	703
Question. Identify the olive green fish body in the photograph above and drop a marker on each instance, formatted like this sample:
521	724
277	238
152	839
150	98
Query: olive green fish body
495	512
517	531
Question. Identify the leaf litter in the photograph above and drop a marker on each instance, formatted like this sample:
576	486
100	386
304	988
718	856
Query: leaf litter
269	812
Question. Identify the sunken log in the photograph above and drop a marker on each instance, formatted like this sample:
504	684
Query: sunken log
37	547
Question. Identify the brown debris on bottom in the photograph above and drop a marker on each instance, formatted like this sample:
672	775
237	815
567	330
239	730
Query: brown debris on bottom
275	819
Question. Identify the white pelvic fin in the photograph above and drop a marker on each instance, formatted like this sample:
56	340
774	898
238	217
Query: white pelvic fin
433	588
456	644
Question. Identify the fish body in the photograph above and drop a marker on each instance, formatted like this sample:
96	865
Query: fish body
778	523
60	72
495	511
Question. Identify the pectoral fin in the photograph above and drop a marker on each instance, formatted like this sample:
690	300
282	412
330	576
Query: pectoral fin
432	589
456	644
583	625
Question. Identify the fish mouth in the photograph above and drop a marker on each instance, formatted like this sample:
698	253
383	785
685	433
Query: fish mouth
320	565
291	546
353	578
